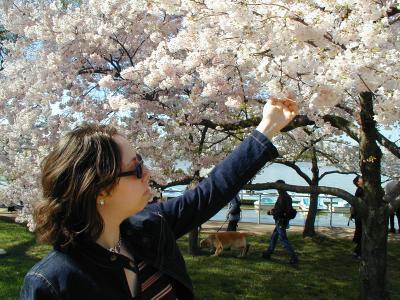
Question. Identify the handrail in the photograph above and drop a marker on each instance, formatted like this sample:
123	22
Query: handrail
263	194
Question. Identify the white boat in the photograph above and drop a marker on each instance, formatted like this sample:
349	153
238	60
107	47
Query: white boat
341	207
304	204
266	203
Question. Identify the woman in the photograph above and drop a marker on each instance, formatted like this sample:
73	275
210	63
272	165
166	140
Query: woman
107	243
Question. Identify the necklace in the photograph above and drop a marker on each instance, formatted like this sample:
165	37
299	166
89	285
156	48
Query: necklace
117	247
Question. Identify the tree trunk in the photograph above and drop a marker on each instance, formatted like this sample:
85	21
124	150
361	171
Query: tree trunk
193	242
375	212
193	238
309	228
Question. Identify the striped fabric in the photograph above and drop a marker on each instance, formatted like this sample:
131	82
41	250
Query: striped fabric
154	284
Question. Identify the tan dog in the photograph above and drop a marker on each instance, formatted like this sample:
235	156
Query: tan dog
227	239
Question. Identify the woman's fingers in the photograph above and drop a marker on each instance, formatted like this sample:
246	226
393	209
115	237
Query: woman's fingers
273	100
286	104
289	102
291	105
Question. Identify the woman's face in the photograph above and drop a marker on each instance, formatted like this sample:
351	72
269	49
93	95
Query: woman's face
131	194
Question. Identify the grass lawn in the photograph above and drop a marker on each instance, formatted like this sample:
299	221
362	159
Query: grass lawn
326	269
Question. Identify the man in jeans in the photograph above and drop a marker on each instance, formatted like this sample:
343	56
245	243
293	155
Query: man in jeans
280	212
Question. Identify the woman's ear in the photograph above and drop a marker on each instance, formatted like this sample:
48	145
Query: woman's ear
101	198
102	195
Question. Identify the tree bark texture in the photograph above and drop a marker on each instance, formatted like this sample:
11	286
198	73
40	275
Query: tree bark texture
374	211
193	242
309	228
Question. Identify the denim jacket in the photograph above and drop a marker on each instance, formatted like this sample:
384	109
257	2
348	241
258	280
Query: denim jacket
92	272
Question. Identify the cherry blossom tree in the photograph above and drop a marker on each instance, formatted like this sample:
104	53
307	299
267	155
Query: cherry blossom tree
321	149
168	71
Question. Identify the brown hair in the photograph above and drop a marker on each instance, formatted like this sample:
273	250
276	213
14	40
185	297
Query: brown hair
85	162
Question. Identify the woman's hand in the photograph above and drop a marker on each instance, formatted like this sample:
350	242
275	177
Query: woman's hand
276	115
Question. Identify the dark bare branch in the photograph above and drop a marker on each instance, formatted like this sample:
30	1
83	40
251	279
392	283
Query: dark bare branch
130	57
296	168
95	71
184	181
307	189
302	120
335	172
203	138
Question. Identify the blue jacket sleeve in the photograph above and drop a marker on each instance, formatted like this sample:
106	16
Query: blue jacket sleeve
37	287
194	207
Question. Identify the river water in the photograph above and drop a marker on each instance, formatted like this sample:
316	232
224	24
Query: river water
274	172
322	219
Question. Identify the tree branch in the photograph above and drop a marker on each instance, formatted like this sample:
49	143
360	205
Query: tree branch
94	70
302	120
307	189
332	160
124	49
203	138
296	168
184	181
335	172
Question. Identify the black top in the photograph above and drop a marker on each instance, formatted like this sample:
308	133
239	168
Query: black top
353	211
282	206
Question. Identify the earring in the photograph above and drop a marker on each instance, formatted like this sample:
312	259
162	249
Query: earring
101	202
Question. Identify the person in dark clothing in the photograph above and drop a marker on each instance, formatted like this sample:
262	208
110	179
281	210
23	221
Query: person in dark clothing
359	183
392	195
107	242
233	213
280	213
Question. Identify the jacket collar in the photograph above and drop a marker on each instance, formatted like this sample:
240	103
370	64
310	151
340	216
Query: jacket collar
90	251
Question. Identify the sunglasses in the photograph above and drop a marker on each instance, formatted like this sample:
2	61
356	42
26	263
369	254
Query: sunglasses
138	171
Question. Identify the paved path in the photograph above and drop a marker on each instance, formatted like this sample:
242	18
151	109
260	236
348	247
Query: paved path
266	229
6	216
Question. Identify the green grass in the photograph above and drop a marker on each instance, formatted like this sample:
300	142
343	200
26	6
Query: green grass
326	269
22	254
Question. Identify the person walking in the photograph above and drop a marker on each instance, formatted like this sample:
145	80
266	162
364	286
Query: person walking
396	213
281	213
233	213
107	242
359	183
392	195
